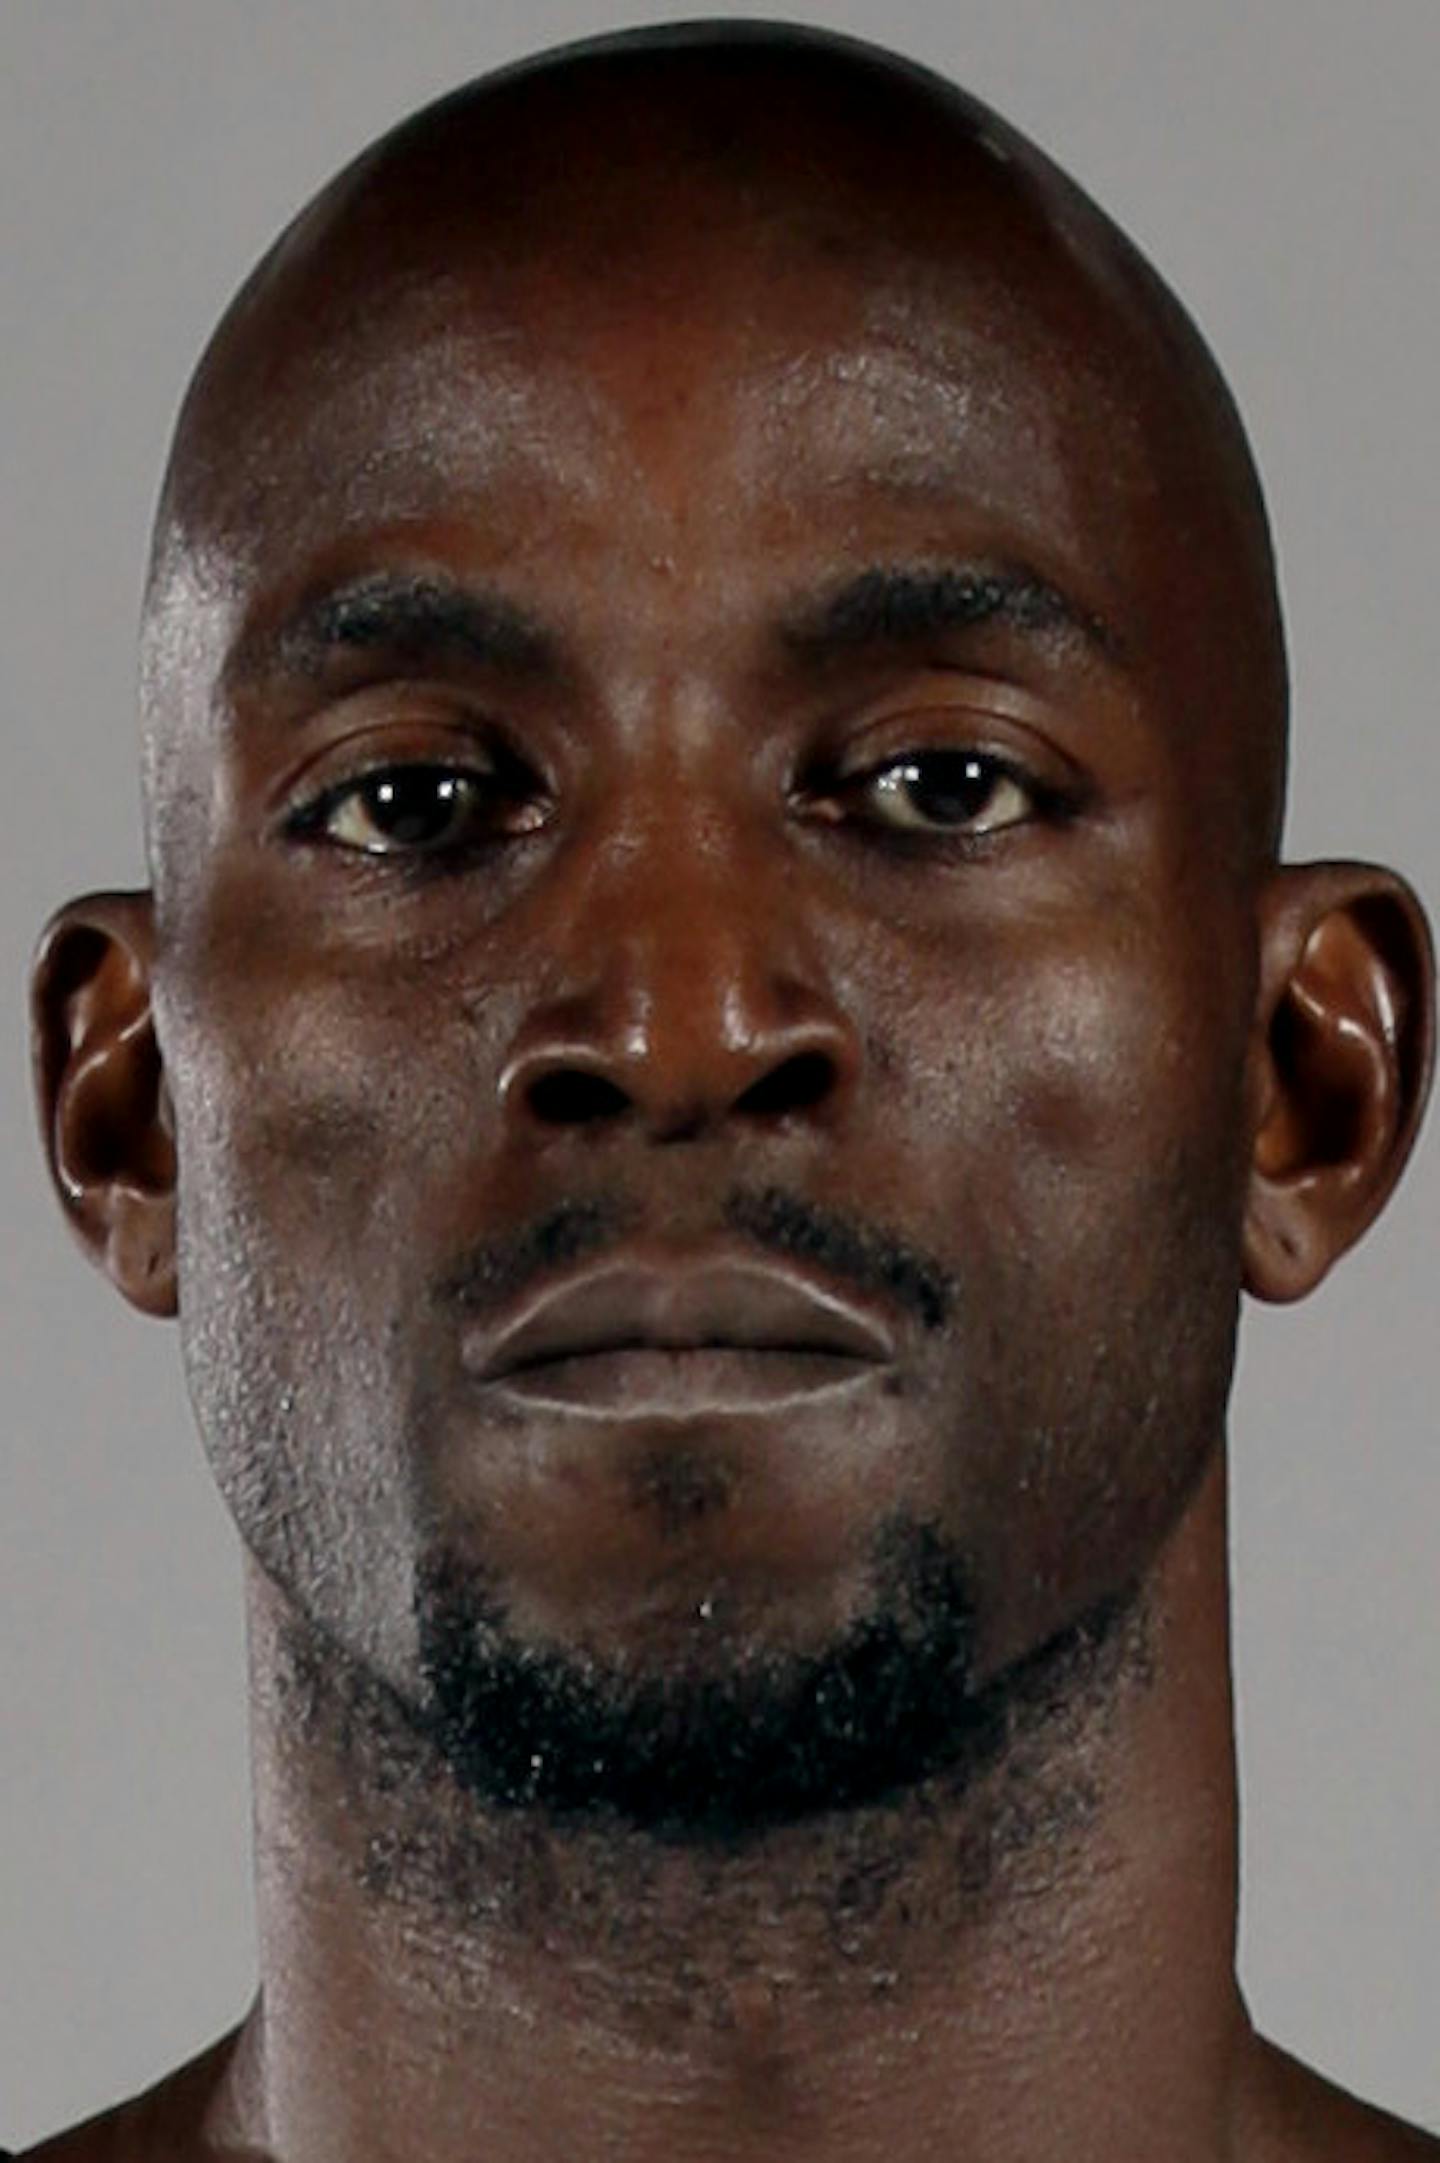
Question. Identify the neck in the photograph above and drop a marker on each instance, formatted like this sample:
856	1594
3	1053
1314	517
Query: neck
1043	1967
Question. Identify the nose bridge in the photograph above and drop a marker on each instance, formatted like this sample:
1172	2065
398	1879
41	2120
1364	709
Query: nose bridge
700	938
684	982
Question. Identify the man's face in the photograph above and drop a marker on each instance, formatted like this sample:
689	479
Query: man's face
721	760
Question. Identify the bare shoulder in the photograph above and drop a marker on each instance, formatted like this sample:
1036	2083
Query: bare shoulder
1297	2116
163	2125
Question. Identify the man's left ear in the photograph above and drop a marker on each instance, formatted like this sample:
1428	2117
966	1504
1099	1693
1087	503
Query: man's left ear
1340	1065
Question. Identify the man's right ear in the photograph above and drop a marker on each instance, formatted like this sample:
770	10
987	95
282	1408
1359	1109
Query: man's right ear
104	1107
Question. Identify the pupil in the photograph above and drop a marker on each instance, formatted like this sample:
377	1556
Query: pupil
950	785
416	807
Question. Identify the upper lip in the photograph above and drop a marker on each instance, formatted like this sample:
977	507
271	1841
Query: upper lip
680	1304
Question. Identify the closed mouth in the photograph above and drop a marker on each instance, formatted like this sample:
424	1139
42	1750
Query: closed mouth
681	1337
679	1381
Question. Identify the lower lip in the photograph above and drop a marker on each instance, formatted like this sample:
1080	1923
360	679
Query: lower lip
646	1381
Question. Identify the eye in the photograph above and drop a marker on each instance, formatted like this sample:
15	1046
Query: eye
414	809
967	792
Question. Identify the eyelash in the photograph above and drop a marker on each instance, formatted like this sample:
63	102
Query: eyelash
511	784
990	770
494	786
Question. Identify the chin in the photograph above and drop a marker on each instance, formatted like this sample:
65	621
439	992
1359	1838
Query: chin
721	1733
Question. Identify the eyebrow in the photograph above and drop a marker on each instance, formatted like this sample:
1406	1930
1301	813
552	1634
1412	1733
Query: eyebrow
420	617
898	604
407	616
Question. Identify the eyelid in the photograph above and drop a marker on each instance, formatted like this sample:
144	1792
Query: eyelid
316	818
996	721
947	716
408	736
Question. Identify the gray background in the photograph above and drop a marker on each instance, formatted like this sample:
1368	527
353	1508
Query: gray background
1279	163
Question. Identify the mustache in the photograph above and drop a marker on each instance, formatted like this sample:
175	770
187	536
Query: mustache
871	1259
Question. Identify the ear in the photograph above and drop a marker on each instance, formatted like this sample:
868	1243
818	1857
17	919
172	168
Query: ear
1340	1065
104	1109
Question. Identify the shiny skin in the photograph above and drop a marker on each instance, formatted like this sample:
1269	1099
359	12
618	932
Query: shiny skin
1082	1060
1021	1052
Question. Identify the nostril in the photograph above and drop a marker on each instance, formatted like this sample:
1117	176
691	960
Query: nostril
563	1092
796	1084
570	1097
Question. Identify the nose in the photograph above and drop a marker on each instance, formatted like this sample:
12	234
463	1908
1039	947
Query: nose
684	1004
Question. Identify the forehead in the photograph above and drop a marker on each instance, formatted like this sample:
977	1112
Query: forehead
738	391
650	393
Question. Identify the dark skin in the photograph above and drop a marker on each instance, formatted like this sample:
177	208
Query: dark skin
722	698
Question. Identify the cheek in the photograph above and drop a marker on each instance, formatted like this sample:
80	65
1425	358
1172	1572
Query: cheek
319	1100
1086	1049
318	1159
1085	1175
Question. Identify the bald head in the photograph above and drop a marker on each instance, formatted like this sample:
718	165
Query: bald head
597	229
706	595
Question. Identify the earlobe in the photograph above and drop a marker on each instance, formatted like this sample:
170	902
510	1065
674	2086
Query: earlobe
1341	1060
103	1104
